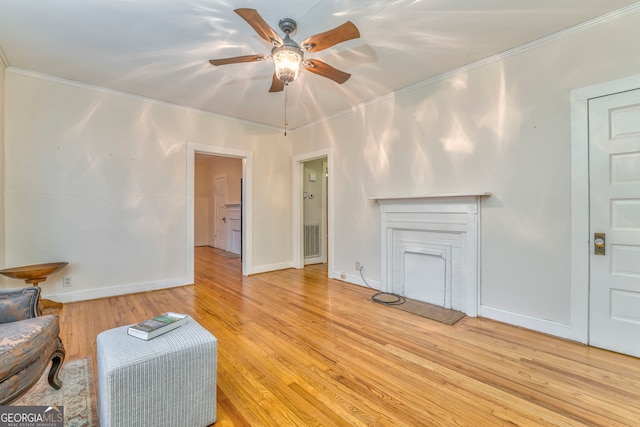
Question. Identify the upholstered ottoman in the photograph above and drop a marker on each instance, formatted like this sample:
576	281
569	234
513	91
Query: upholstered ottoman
169	380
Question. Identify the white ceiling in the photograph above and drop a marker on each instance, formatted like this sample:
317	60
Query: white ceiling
160	48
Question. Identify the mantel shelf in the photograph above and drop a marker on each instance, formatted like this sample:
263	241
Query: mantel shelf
428	196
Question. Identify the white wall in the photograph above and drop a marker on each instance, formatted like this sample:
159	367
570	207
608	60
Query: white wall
98	179
502	127
232	168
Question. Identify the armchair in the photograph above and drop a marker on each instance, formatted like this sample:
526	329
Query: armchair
28	342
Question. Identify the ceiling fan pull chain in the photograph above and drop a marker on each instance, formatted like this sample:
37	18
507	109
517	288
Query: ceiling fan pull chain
286	122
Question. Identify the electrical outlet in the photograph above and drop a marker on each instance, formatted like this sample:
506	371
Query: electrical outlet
357	265
66	281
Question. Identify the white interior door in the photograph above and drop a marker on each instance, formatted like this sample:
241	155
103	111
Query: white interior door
220	200
614	180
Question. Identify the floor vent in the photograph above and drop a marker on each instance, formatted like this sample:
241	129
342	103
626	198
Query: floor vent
311	240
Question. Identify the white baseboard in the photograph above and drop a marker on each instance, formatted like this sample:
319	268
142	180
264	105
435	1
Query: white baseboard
314	260
545	326
112	291
356	279
269	267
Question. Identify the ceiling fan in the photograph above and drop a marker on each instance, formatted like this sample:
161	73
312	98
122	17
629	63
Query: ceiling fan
289	55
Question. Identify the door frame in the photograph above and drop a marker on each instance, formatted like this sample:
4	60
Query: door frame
215	207
247	211
580	238
298	211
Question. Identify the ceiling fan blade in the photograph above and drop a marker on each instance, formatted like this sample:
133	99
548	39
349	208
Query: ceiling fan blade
277	85
238	59
325	70
344	32
263	29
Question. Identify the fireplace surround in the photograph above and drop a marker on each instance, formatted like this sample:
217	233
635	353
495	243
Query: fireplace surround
430	248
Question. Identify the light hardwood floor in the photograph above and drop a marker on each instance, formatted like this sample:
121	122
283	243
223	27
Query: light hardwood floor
298	349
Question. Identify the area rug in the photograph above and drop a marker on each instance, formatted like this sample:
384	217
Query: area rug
430	311
77	395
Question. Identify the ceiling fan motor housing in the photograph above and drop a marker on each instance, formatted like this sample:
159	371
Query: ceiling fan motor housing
289	55
288	25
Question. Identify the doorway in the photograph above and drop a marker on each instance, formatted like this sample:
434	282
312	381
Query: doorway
218	195
313	211
240	184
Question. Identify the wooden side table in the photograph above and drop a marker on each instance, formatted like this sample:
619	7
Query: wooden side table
33	275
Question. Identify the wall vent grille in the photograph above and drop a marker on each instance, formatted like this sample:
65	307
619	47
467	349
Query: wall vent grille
311	240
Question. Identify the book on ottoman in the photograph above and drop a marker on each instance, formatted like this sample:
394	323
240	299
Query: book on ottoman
158	325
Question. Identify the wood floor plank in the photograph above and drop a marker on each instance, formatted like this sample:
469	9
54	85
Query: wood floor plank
297	348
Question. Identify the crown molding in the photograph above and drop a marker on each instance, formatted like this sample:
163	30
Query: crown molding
595	22
101	89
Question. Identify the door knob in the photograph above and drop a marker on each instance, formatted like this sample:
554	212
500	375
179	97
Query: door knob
599	242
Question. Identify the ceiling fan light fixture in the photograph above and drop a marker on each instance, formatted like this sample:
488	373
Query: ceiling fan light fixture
287	55
287	60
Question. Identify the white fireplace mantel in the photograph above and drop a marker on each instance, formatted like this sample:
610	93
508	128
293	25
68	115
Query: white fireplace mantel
415	198
432	241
